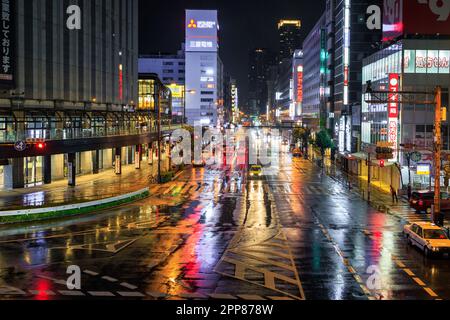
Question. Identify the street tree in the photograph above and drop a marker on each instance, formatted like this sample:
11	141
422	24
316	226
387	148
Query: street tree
303	136
323	142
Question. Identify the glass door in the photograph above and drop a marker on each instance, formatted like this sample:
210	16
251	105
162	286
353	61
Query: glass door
33	171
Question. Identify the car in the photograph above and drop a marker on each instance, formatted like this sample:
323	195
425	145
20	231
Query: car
422	201
255	171
297	153
428	237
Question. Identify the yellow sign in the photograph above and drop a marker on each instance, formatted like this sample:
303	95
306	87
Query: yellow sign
384	144
177	90
423	170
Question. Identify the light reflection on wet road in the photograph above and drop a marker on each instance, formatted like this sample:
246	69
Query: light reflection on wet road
213	233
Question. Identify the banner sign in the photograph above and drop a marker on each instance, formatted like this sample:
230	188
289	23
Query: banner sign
7	43
394	84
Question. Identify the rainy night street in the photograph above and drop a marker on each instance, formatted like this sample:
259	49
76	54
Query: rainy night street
215	233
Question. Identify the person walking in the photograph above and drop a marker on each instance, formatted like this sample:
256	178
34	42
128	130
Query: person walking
394	195
409	192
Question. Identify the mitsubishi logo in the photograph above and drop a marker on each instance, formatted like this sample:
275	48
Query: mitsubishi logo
192	24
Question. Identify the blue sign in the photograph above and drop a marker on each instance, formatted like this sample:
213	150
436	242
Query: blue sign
20	146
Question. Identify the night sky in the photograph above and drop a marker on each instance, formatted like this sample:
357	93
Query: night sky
244	25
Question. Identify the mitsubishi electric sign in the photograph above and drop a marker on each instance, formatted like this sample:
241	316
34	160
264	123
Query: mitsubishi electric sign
201	30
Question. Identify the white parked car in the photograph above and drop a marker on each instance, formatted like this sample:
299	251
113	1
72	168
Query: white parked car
428	237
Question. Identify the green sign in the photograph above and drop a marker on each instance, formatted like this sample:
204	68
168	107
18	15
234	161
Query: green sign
416	156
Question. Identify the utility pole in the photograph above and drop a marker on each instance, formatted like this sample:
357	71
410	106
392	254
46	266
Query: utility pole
369	165
379	97
158	124
437	155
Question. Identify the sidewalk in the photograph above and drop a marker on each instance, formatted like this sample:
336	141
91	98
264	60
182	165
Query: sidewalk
380	196
89	188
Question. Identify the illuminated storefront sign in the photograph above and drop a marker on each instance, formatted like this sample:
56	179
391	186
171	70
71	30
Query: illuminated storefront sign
120	82
393	97
423	169
300	84
348	133
427	61
342	134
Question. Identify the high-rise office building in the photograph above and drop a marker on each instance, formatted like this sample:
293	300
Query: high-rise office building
349	42
314	75
204	92
260	60
289	33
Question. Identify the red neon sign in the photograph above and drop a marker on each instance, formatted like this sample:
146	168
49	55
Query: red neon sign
394	83
120	82
299	86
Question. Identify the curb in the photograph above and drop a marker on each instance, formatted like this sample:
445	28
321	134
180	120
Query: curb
18	216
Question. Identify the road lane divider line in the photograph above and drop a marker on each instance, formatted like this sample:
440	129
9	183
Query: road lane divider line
419	282
431	292
409	272
344	259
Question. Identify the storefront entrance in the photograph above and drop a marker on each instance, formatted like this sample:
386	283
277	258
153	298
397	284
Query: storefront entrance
33	171
2	177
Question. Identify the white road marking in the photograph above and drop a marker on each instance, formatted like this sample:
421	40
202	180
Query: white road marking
91	273
128	286
131	294
44	292
71	293
110	279
222	296
101	294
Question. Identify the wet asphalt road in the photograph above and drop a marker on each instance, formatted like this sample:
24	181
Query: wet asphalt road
295	234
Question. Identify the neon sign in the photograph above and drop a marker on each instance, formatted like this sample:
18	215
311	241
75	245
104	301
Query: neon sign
393	97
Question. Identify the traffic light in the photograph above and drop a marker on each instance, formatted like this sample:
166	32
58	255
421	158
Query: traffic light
382	163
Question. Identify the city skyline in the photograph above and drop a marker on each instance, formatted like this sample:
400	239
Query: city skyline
255	22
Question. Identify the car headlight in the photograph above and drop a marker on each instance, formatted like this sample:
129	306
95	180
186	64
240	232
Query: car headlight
435	249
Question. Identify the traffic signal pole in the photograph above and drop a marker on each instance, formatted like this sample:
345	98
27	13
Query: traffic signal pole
437	155
369	165
381	97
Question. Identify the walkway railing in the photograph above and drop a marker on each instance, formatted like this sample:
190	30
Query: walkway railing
71	133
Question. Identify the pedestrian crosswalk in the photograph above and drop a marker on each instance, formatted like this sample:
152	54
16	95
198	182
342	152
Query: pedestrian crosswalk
196	188
409	216
288	188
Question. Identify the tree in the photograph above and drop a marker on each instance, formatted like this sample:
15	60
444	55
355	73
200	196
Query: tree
302	135
323	141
